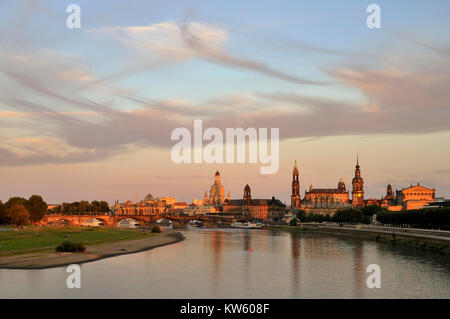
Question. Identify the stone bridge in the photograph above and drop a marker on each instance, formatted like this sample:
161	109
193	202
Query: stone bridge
113	220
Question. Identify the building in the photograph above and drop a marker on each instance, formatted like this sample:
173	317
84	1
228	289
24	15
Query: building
254	209
358	187
216	193
327	197
148	206
295	197
199	210
415	197
197	202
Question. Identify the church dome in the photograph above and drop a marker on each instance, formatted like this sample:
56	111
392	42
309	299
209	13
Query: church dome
149	197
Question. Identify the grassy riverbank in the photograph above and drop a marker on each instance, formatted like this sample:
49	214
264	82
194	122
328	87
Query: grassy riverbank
47	238
429	242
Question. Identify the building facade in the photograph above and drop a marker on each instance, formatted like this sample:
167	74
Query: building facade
254	209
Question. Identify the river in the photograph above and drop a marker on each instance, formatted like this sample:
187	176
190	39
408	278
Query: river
234	263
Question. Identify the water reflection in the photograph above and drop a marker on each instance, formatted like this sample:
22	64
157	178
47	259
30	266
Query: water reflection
296	246
235	263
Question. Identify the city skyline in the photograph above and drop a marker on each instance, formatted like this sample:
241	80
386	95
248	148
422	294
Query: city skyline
87	113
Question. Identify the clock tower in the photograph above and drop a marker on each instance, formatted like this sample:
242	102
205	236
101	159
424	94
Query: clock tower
358	187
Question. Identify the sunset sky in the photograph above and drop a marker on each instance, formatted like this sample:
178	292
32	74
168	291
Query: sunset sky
86	114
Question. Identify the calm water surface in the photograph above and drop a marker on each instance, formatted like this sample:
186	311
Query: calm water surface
232	263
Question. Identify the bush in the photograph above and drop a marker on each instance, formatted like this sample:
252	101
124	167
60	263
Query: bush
71	247
301	215
81	248
293	222
156	229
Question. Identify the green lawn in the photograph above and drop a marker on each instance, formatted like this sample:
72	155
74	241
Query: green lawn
47	238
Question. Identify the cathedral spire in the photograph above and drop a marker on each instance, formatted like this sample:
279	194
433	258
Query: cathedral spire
295	197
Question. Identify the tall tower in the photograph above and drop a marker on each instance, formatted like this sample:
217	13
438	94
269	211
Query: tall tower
295	197
358	187
247	193
389	192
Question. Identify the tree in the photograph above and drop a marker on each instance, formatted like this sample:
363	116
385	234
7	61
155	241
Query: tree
4	218
19	215
36	207
370	210
301	215
16	200
349	215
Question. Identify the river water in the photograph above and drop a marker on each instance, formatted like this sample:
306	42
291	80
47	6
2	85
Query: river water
234	263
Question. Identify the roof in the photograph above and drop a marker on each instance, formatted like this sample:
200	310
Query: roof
326	191
254	202
417	188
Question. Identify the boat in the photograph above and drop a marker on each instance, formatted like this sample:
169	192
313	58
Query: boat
246	225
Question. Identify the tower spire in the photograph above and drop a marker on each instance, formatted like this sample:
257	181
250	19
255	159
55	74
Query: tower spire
357	158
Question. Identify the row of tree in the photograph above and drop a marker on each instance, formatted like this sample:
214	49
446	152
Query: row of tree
432	218
347	215
81	208
21	211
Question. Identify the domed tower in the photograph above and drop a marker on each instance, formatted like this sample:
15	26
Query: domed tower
389	192
247	193
217	192
217	178
341	185
295	197
358	187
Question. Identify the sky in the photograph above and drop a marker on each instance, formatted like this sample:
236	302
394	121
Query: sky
87	113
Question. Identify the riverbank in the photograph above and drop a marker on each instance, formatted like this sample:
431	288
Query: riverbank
43	260
438	241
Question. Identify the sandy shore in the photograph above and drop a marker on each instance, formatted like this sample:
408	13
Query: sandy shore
92	253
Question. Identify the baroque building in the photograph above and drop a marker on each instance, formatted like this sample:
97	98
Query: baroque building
217	192
327	197
328	200
254	209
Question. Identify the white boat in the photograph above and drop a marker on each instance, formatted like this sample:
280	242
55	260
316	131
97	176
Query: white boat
247	225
